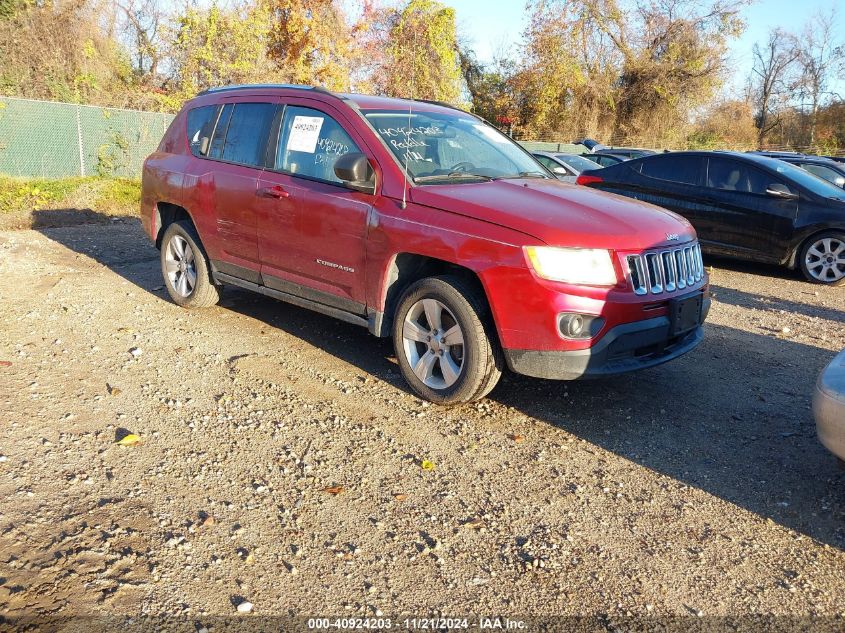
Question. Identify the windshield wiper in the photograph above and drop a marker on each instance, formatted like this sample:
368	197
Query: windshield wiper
524	174
456	175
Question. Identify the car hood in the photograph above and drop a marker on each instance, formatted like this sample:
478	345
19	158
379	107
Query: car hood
561	214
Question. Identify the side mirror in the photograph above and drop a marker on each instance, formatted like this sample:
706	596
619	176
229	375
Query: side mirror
840	182
356	172
560	171
204	141
778	190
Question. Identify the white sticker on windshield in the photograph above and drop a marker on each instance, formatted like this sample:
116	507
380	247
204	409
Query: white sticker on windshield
304	133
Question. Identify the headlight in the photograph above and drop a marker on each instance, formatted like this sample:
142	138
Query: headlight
583	266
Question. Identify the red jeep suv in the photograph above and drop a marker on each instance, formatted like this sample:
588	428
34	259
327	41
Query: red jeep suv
421	222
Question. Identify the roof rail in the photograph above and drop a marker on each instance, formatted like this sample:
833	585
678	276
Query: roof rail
260	86
442	104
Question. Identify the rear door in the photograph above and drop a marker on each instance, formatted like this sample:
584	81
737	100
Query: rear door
671	182
312	228
236	154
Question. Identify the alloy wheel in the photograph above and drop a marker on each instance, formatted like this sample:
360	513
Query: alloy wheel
433	343
180	265
825	259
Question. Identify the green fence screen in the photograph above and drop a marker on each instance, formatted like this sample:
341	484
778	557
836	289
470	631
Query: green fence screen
52	140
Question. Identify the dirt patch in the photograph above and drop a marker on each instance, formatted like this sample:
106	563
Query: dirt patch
281	457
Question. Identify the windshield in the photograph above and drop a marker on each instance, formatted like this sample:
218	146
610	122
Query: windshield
578	163
447	147
807	180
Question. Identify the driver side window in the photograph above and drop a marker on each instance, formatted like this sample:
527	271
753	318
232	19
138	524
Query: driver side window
310	142
730	175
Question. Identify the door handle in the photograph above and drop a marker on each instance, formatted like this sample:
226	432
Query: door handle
276	191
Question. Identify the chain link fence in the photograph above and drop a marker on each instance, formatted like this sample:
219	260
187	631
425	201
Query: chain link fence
53	140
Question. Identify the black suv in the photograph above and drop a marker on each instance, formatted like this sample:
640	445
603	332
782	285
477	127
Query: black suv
742	205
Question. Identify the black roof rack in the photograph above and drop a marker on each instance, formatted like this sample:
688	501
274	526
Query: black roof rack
260	86
443	104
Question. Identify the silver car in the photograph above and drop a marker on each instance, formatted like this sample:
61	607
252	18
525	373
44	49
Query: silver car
829	407
565	167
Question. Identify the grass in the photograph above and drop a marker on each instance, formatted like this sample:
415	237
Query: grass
38	202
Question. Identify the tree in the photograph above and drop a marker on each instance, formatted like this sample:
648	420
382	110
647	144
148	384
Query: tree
216	46
492	89
726	124
143	20
310	42
10	8
773	63
633	68
820	58
58	50
421	52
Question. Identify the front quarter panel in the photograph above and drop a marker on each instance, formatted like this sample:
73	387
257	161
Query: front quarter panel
490	251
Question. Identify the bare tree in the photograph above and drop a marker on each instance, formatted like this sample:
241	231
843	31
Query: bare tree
820	59
772	64
141	30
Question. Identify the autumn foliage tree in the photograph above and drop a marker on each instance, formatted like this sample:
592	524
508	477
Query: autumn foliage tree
648	72
310	42
421	57
629	69
215	46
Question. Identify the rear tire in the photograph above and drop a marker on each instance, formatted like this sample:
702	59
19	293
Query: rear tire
185	267
446	348
822	258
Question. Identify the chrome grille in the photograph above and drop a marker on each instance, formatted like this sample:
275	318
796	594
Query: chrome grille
667	270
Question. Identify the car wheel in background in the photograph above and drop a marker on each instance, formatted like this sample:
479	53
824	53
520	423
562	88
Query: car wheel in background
185	268
447	351
822	258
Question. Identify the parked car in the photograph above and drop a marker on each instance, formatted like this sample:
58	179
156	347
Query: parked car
819	166
605	160
829	407
420	222
742	205
623	152
565	167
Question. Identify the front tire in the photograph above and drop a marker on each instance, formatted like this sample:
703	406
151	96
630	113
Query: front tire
185	267
822	258
447	352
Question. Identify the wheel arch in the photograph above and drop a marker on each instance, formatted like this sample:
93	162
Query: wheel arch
404	269
166	214
792	258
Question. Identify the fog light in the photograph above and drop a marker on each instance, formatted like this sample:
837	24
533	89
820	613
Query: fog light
579	326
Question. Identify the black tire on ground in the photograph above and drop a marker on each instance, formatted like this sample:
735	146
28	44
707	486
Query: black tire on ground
802	256
204	293
482	356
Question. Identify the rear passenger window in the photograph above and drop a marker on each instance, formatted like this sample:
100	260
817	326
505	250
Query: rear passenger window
200	126
683	169
216	150
310	143
247	134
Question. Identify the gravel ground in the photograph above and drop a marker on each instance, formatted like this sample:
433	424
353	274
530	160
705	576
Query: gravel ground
281	460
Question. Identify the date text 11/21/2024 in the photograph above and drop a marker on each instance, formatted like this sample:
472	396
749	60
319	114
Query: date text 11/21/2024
419	624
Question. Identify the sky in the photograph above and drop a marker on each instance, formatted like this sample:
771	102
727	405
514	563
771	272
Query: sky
490	24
